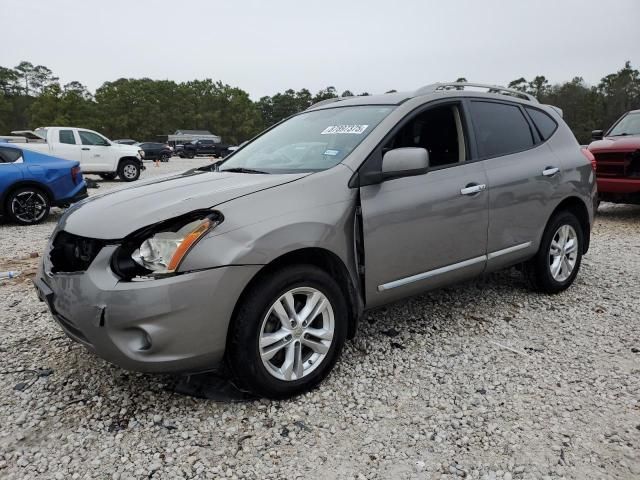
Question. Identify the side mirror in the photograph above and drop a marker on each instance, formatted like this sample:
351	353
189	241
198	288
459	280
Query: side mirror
597	134
405	162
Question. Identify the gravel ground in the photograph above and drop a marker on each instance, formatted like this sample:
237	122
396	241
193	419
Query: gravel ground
481	380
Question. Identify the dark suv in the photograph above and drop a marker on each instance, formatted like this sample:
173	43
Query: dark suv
203	147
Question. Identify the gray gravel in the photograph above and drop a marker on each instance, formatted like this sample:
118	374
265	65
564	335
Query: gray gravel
482	380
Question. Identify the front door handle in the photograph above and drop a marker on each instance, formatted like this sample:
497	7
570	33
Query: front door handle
550	171
472	189
85	148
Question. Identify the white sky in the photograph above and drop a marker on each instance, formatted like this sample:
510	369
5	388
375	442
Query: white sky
268	46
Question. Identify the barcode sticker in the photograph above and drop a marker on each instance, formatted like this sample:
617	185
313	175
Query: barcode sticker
344	129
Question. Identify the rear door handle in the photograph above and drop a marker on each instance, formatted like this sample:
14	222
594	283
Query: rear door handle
85	148
472	189
550	171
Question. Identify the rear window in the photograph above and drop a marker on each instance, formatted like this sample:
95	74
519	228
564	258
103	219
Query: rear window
66	136
543	122
9	155
500	129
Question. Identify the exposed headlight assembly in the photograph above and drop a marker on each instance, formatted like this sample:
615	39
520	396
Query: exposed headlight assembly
158	250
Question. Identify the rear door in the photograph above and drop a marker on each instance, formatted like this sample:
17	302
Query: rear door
523	175
96	152
66	144
429	230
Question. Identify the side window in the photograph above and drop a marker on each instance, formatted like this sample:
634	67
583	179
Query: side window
66	136
545	125
90	138
438	130
9	155
500	128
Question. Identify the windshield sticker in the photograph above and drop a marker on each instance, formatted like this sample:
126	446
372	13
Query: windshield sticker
344	129
332	153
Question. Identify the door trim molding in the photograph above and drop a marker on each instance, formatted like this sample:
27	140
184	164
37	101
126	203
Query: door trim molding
450	268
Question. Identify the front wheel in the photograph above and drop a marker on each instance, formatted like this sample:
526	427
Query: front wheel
28	206
555	266
129	170
288	332
165	157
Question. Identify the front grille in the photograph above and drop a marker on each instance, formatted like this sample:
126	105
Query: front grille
71	253
618	164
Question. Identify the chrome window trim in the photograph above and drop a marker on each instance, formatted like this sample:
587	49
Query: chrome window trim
449	268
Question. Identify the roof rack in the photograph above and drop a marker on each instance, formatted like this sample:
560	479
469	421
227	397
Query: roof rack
325	102
437	87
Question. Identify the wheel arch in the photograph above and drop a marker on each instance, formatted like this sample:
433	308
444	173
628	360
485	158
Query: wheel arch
321	258
576	206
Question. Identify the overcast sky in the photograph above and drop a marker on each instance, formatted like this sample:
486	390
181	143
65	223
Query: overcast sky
268	46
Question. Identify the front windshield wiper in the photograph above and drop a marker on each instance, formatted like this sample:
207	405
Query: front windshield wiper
242	170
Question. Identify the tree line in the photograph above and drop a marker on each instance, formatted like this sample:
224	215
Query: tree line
32	96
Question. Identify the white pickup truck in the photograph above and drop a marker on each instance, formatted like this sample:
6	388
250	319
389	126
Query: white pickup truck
96	154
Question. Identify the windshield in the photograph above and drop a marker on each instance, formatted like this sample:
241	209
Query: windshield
309	142
629	125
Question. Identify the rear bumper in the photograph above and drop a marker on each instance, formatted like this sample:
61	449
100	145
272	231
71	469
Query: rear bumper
79	194
175	324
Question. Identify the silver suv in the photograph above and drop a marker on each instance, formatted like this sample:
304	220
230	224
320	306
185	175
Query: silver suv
265	262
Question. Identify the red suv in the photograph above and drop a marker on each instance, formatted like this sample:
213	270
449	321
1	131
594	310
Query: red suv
617	155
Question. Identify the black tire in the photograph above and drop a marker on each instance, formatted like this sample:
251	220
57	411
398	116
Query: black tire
538	269
129	170
243	350
108	176
191	154
165	157
27	206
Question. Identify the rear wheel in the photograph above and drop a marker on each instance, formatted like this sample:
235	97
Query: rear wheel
288	333
128	170
164	157
191	154
555	266
28	205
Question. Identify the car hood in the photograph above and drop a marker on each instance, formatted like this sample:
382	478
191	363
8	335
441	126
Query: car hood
625	144
114	215
126	149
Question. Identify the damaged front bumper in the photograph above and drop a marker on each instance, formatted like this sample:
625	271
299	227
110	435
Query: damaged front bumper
174	324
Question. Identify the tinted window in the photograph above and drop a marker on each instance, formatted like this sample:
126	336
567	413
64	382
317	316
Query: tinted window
543	122
90	138
9	155
66	136
500	129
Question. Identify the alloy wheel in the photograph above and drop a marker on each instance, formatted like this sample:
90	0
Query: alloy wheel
29	206
563	253
296	333
130	171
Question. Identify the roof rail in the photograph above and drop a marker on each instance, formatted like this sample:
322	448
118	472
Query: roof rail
325	102
436	87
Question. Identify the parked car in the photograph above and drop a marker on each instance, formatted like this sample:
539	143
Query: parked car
31	183
156	151
96	153
126	141
617	157
203	147
265	262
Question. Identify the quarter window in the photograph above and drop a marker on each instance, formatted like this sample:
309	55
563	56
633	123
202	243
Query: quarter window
9	155
543	122
500	129
90	138
66	136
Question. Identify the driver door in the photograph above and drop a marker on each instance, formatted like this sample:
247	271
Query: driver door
96	152
426	231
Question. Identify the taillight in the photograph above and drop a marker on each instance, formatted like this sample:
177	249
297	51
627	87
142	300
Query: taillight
75	174
591	158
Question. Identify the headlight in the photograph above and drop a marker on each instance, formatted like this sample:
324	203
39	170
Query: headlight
158	250
141	153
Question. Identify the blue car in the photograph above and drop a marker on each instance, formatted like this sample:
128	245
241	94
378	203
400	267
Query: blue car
31	183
